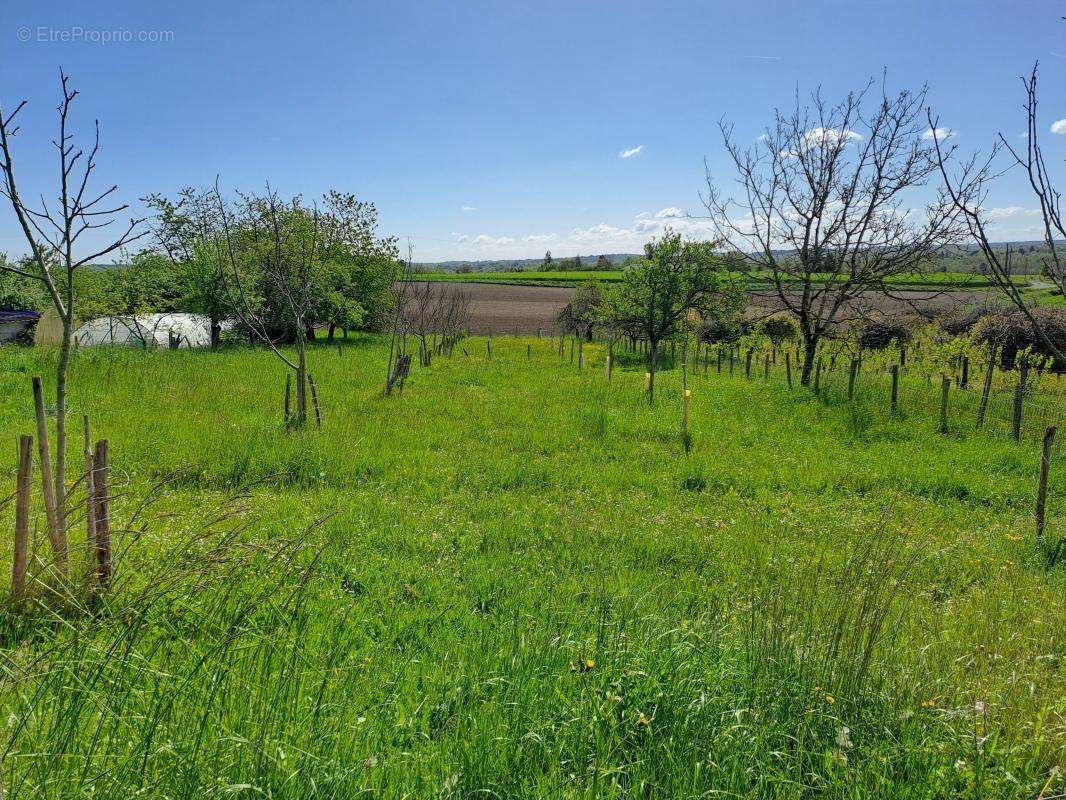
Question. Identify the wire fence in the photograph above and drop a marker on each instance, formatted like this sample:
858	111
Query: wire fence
1009	412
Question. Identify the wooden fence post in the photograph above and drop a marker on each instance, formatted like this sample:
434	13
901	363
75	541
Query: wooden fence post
314	399
747	363
719	359
766	368
788	368
1041	491
102	504
90	513
945	387
529	352
818	375
685	437
986	390
580	354
488	347
22	516
964	379
57	537
851	378
608	363
895	388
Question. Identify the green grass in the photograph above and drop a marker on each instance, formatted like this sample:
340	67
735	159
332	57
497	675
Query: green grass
511	582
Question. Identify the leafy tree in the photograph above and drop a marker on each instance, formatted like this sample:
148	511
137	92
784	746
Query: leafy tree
673	287
602	264
358	267
19	292
547	265
186	230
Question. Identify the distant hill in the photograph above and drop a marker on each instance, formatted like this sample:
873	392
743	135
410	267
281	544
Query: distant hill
1028	257
520	264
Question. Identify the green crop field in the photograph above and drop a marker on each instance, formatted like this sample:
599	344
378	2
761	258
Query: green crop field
513	582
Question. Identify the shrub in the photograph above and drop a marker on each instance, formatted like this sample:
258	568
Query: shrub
1012	332
715	330
780	329
879	334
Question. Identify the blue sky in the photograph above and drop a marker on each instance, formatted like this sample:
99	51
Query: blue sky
495	129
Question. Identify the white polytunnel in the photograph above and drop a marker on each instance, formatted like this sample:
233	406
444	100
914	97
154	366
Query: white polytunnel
146	331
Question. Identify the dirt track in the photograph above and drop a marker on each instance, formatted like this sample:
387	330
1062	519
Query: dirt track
504	308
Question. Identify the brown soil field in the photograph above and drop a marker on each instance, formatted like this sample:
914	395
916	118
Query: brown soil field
503	309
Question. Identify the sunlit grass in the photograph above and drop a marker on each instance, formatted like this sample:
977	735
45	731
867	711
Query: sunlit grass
511	581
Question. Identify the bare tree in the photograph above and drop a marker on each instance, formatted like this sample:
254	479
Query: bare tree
968	189
451	316
421	311
278	241
398	334
52	235
822	210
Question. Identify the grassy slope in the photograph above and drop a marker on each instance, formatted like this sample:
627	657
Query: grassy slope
526	589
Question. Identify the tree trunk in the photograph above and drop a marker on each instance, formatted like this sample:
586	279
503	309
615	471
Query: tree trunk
62	367
301	383
330	334
309	333
216	333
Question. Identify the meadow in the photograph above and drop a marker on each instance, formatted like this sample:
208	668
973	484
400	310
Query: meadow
512	581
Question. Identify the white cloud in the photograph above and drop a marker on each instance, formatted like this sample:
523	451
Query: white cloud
824	137
484	240
939	133
670	213
633	151
602	238
1010	212
468	208
1059	126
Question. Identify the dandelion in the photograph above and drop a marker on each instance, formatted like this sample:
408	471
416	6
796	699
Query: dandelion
830	699
1013	537
844	738
929	703
642	719
590	663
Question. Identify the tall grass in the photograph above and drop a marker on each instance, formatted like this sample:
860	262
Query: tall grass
508	583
